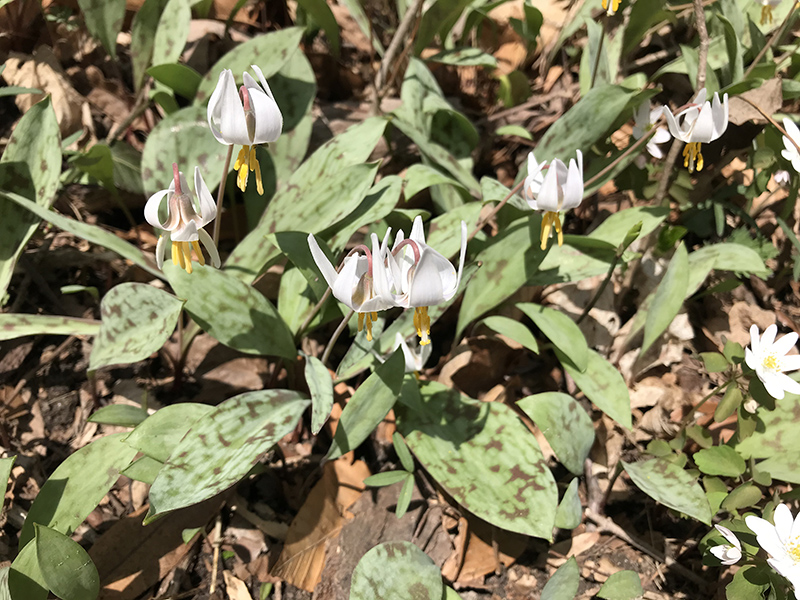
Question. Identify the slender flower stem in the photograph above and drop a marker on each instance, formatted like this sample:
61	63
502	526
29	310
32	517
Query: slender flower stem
637	144
221	194
702	52
313	313
778	35
495	210
617	256
772	121
329	348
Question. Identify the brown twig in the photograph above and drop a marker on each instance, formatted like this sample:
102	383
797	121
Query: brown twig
702	51
495	210
394	47
772	121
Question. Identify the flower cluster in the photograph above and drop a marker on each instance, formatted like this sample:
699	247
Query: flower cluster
409	275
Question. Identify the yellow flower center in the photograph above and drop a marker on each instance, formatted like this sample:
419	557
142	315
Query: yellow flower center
692	154
182	255
551	220
614	6
793	549
246	161
766	14
370	318
770	362
422	322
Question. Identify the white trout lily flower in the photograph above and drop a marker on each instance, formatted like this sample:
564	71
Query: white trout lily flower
553	188
184	223
728	555
701	122
766	9
421	277
644	121
361	283
610	6
790	153
768	359
248	117
781	541
416	357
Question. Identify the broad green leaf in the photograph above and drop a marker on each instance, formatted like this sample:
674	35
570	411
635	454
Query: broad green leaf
144	469
744	496
91	233
143	34
644	14
323	16
444	231
568	515
403	452
729	404
363	22
776	431
78	485
748	583
181	79
369	405
614	228
723	257
514	330
579	258
173	29
396	571
603	385
159	434
386	478
420	177
464	57
104	21
232	312
622	585
482	455
222	447
66	566
136	320
320	385
124	415
560	330
25	578
670	485
184	138
17	325
565	425
720	460
268	51
563	585
714	362
782	467
668	297
30	167
5	473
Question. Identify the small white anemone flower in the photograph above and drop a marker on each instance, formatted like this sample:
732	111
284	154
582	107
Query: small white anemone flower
361	283
782	177
790	153
766	9
728	555
184	223
768	359
781	541
415	357
702	122
553	188
610	6
248	117
644	120
421	277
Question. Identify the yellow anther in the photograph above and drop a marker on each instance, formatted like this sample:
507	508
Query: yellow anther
369	318
175	258
692	155
551	220
766	14
187	256
247	161
793	549
200	258
422	323
614	6
770	362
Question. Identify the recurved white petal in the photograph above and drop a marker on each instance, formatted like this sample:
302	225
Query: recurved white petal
152	207
208	208
211	248
323	264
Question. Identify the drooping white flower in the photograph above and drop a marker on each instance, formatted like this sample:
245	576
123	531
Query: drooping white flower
728	555
766	9
644	120
553	188
415	357
781	541
610	6
782	177
790	153
701	123
185	221
248	117
361	283
421	276
768	359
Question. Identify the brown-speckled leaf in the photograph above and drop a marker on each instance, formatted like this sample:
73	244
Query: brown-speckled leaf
159	433
483	455
17	325
396	571
776	431
135	321
670	485
223	446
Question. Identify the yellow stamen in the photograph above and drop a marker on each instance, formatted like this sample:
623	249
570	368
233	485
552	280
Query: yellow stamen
200	258
247	161
175	259
614	6
692	154
360	321
766	14
187	255
793	549
369	317
422	323
770	362
551	220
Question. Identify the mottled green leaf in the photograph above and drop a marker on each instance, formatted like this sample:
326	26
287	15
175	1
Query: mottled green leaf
294	87
615	227
268	51
173	29
159	434
420	177
320	385
143	34
603	385
30	167
622	585
124	415
668	297
104	21
782	467
78	485
396	571
25	578
514	330
560	330
369	405
723	257
776	431
222	447
464	57
144	469
404	498
232	312
670	485
403	452
565	425
568	515
720	460
563	585
482	455
136	320
5	473
323	16
66	566
181	79
14	325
